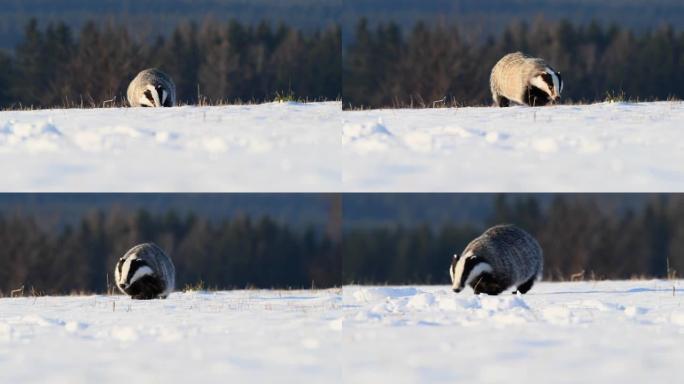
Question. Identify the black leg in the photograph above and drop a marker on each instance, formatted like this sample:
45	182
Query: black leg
526	286
486	283
146	288
501	101
535	97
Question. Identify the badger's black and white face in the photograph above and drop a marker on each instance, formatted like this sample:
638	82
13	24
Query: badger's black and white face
155	96
549	82
130	270
134	277
466	269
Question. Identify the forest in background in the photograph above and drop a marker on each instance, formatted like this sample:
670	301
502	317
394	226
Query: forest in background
492	16
576	234
438	64
210	63
160	17
238	252
607	236
476	209
54	210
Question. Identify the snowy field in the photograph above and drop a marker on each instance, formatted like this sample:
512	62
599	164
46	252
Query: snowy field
593	332
620	147
588	332
239	336
275	147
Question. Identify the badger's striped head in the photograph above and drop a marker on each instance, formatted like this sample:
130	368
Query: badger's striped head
130	269
155	96
549	82
467	268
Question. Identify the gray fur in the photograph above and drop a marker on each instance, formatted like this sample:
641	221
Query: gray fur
515	257
163	276
511	77
159	81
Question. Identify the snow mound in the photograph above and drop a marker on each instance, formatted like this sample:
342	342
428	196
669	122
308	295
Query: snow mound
497	304
381	293
430	334
273	147
567	148
370	137
421	301
30	137
249	336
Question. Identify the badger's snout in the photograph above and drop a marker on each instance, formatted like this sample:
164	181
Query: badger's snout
457	290
122	285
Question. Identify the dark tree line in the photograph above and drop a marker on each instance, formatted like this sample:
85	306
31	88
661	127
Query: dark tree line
493	15
576	235
212	62
236	253
437	65
162	16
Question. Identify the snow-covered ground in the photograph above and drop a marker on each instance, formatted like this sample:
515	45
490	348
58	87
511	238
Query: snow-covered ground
268	147
618	147
587	332
314	147
253	336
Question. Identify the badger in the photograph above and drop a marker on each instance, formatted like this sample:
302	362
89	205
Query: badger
151	88
524	80
145	272
503	256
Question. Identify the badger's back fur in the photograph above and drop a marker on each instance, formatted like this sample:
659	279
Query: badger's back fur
145	272
151	88
525	80
503	256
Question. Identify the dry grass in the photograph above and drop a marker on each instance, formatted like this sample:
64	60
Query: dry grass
17	292
419	103
671	272
615	97
189	288
197	287
203	101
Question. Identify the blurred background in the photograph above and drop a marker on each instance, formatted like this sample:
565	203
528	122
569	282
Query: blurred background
411	238
78	53
410	53
65	243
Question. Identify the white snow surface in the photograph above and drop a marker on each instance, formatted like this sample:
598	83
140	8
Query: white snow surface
256	336
606	147
590	332
584	332
274	147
